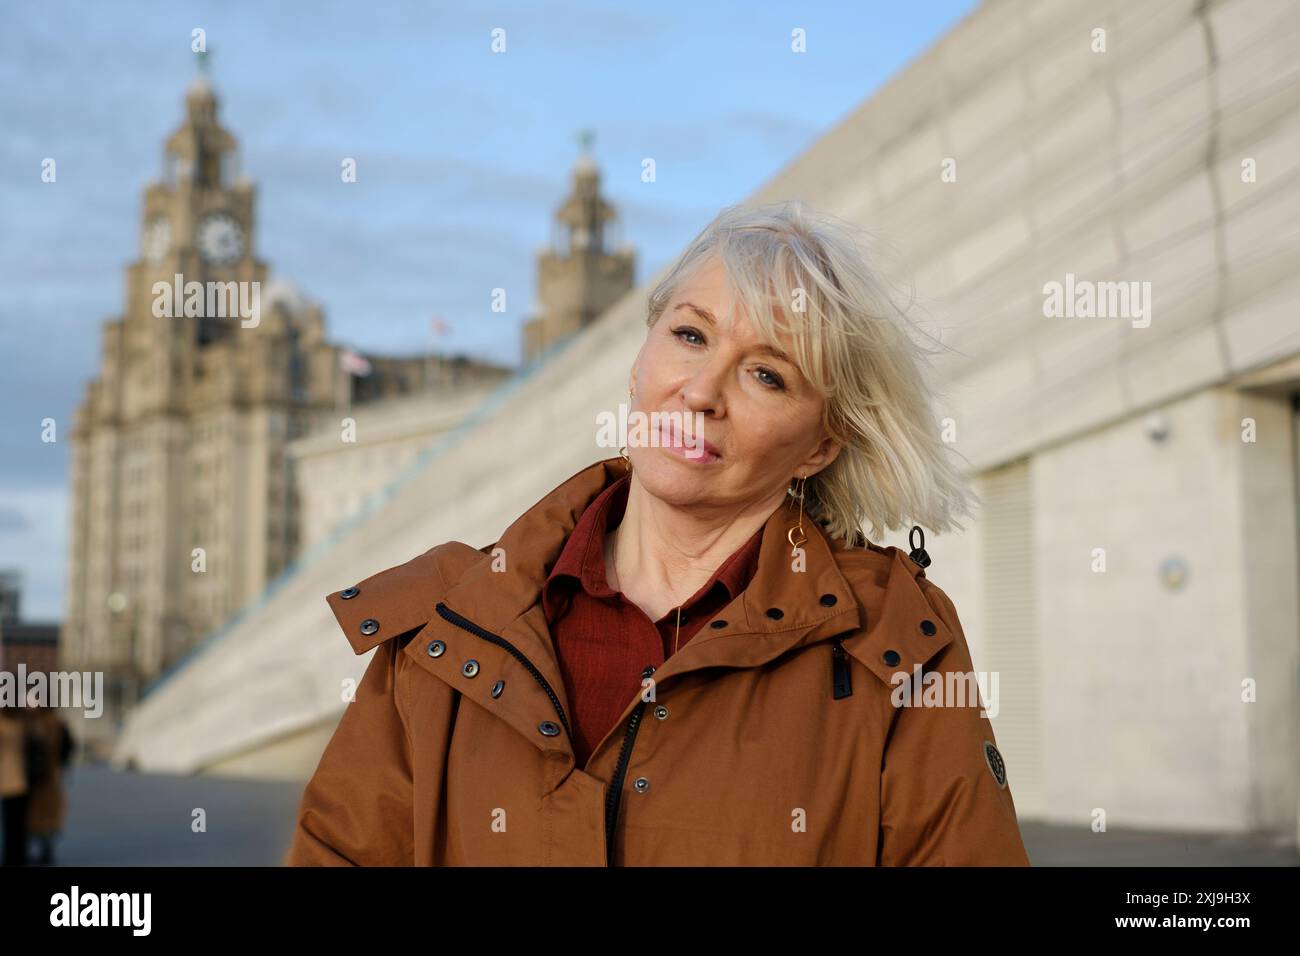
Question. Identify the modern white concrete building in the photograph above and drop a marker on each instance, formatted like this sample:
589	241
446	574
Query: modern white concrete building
344	463
1133	577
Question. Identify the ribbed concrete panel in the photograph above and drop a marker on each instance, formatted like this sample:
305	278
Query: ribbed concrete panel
1011	630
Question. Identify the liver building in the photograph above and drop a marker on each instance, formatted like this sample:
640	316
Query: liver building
183	499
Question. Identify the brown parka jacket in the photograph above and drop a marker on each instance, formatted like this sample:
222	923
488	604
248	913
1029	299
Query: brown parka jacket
773	738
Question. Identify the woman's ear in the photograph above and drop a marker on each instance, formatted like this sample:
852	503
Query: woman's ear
822	457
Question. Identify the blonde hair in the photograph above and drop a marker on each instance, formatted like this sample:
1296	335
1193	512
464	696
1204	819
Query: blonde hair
851	343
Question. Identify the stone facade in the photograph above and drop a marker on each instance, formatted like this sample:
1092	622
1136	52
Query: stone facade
184	503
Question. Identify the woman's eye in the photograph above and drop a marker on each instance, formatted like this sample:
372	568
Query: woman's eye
773	381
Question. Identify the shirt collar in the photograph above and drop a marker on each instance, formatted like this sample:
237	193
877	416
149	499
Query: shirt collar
582	561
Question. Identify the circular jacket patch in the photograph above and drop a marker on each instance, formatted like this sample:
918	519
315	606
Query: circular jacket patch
997	766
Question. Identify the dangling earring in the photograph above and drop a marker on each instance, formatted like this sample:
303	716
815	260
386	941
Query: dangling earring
789	535
623	451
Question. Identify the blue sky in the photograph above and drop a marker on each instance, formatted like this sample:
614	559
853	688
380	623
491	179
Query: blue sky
462	157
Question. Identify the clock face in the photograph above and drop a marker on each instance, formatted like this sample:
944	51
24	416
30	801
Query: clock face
157	239
221	239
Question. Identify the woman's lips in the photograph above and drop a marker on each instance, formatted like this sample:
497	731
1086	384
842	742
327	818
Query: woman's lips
671	439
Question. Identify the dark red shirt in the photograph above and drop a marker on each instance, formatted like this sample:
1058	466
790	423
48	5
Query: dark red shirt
603	641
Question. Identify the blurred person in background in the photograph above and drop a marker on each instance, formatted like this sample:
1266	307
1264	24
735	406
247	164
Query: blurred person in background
13	784
47	803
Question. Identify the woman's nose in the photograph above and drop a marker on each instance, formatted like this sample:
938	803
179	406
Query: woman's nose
703	390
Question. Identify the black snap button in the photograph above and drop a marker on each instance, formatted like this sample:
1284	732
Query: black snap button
497	688
661	712
549	727
641	784
470	669
717	625
436	648
349	593
775	613
369	626
828	600
927	627
649	669
891	658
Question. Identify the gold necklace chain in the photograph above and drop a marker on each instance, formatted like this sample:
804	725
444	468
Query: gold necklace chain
613	561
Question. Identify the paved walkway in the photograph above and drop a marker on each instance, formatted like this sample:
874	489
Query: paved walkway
130	819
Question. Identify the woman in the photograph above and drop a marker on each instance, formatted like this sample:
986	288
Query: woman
690	655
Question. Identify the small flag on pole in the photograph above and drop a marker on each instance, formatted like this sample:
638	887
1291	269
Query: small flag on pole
439	326
351	362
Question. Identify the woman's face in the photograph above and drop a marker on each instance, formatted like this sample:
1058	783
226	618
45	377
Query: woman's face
762	421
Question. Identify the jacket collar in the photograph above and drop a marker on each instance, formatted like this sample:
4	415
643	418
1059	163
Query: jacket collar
780	609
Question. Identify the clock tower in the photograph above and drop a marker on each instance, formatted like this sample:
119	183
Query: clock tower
198	220
183	503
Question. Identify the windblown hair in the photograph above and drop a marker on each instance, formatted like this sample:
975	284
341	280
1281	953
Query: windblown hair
851	342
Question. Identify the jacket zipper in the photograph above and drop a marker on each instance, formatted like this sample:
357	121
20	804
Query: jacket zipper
616	785
465	623
612	797
841	682
629	736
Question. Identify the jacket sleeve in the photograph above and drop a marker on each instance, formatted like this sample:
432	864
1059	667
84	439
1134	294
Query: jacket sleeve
357	808
941	800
